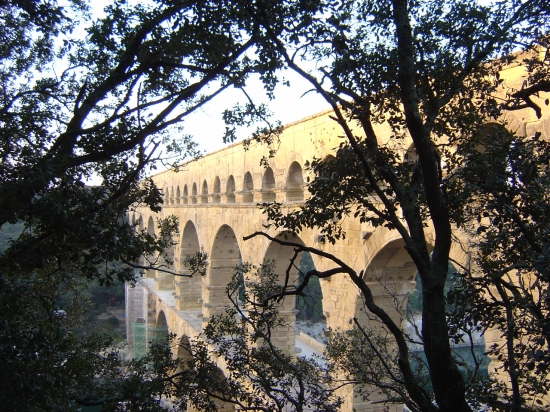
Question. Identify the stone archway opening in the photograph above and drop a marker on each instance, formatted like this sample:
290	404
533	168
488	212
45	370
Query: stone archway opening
230	190
268	186
390	275
158	331
204	192
410	155
185	195
163	280
248	187
281	257
188	289
224	259
217	379
178	195
310	318
184	349
295	183
194	194
217	385
463	351
393	279
150	273
216	191
161	320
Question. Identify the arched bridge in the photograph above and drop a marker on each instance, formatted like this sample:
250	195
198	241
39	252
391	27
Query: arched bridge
215	199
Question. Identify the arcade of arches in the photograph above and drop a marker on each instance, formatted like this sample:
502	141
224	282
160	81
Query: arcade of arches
215	201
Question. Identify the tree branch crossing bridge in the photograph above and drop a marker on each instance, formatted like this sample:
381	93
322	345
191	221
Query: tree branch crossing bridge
215	199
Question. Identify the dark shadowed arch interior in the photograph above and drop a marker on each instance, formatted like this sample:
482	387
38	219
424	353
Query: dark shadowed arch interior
281	256
248	187
487	133
137	225
204	192
230	190
172	195
216	191
185	195
268	186
467	353
410	154
310	305
178	195
161	319
194	193
294	183
164	280
184	351
391	262
159	331
151	226
189	289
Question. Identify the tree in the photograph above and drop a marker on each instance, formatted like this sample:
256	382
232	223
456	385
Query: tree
107	103
430	71
508	291
119	92
258	375
427	69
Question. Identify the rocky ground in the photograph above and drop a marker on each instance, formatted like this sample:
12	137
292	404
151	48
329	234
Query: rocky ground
315	330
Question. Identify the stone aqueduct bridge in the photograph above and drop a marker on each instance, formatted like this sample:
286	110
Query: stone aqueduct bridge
215	200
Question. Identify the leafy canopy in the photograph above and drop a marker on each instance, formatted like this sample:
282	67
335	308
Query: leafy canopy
84	98
426	70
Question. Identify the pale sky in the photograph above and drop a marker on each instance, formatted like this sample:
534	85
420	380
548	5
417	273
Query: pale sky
290	105
206	124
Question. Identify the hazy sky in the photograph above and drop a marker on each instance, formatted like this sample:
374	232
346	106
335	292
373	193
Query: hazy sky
206	125
290	105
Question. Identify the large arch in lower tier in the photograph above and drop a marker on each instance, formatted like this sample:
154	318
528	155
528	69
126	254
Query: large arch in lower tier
159	332
224	258
281	257
390	276
188	289
165	280
285	261
390	272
